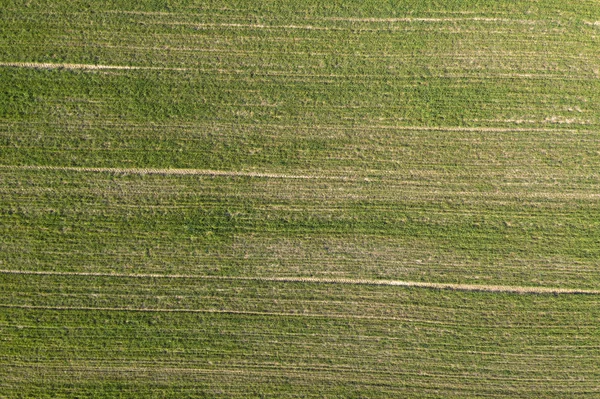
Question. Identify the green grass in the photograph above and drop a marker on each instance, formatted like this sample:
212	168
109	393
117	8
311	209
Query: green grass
439	142
300	340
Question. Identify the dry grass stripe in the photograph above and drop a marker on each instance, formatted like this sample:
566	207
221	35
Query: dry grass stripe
40	65
153	171
319	280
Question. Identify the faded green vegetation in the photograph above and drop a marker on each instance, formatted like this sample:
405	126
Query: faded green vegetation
443	142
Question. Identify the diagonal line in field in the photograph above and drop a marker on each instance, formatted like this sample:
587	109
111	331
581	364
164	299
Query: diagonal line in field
320	280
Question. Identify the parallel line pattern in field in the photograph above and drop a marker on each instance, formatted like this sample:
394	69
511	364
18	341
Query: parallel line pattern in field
219	311
300	199
274	73
322	127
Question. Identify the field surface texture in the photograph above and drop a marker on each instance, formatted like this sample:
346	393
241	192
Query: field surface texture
300	199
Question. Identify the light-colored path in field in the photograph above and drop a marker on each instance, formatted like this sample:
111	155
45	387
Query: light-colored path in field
41	65
234	25
434	20
154	171
217	311
321	280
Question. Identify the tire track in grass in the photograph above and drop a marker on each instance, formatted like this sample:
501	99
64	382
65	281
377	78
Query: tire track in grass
219	311
288	369
41	65
434	20
184	172
345	281
35	65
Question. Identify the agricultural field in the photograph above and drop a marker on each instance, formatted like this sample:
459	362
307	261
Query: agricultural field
299	199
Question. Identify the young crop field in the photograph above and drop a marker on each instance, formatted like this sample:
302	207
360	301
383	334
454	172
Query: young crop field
299	199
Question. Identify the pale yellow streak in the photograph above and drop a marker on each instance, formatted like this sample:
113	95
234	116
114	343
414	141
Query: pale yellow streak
41	65
319	280
154	171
